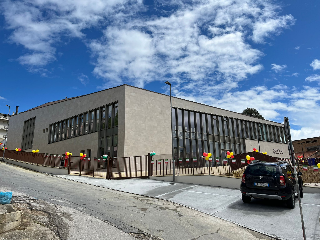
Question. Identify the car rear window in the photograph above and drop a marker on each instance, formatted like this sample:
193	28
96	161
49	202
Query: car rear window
261	169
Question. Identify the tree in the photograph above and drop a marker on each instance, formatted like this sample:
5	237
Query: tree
252	112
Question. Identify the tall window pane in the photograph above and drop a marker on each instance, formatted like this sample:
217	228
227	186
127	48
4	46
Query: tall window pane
116	115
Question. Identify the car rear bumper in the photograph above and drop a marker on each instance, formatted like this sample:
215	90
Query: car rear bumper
264	196
280	194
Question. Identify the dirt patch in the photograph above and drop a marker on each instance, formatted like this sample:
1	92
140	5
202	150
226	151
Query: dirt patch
39	220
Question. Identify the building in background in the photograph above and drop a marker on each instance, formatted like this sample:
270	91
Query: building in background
4	121
128	121
308	148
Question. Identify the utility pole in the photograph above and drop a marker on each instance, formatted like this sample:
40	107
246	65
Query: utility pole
291	152
4	146
173	162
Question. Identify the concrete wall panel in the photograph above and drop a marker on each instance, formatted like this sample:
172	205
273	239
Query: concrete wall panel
60	111
148	122
279	150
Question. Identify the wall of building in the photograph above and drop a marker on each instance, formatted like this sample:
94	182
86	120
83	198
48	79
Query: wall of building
148	122
3	126
60	111
304	145
309	147
144	123
278	150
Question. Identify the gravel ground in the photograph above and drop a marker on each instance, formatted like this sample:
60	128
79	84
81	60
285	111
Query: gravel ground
43	220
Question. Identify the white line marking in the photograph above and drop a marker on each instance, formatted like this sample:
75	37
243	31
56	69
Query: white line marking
176	190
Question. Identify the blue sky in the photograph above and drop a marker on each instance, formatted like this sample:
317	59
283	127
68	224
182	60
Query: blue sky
231	54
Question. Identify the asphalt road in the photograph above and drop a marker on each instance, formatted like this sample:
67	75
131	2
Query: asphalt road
269	217
129	213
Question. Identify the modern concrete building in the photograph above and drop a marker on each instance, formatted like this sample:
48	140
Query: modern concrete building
309	147
4	120
127	121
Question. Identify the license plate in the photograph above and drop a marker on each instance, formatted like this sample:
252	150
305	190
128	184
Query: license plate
261	184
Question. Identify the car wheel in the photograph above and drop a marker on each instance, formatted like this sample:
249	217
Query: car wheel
291	202
246	199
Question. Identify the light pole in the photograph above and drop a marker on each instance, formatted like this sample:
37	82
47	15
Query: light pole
259	131
173	161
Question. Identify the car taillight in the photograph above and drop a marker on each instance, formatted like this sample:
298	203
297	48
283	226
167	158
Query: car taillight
244	178
282	181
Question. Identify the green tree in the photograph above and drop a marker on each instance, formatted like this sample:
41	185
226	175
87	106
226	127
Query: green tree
252	112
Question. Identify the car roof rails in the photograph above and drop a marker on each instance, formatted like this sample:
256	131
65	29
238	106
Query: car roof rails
255	161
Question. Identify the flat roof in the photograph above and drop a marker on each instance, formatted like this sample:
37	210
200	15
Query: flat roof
67	99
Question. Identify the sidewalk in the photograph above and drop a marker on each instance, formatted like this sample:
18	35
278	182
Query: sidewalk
224	182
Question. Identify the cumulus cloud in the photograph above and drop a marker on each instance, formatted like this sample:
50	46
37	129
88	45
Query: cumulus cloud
315	64
297	48
204	39
38	25
267	26
304	133
126	53
207	41
278	68
313	78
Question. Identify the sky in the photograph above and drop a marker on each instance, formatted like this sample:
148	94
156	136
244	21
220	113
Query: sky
231	54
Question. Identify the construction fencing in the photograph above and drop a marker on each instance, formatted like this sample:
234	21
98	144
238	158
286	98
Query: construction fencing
147	165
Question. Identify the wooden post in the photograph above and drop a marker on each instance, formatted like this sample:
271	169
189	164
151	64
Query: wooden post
125	165
107	170
149	165
119	171
80	167
130	167
69	164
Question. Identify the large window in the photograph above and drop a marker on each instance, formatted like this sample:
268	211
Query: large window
28	133
195	133
84	123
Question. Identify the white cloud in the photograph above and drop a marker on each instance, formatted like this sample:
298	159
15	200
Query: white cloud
204	39
297	48
39	24
295	74
83	79
267	26
304	133
313	78
181	50
315	64
37	59
278	68
127	53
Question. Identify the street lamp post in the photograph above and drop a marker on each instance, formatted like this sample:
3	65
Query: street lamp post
5	137
173	161
259	131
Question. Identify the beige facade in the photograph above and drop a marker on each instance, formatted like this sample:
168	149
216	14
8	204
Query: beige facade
144	123
309	147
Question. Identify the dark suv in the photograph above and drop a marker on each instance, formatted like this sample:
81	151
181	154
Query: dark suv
270	181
